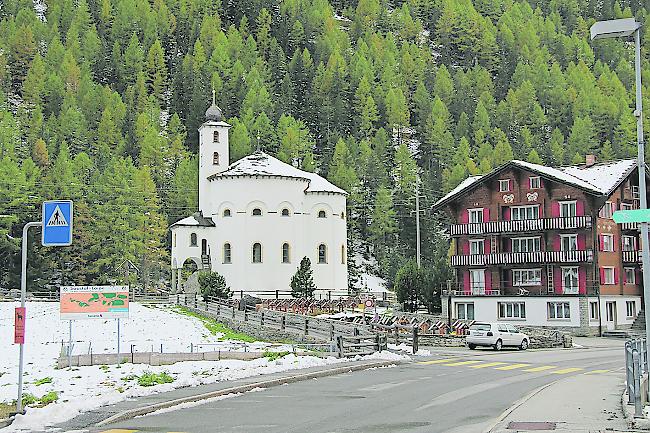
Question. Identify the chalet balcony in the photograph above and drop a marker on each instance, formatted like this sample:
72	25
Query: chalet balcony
630	226
537	257
632	256
518	226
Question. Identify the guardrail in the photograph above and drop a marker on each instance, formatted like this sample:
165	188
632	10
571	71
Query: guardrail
636	364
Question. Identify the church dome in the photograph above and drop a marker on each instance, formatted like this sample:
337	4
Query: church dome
213	113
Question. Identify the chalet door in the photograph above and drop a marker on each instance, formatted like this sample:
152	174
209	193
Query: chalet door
204	247
477	281
610	315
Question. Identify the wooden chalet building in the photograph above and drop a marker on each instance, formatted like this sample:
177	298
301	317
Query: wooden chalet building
537	246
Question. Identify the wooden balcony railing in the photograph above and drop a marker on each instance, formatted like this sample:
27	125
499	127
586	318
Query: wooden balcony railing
517	226
632	256
536	257
630	226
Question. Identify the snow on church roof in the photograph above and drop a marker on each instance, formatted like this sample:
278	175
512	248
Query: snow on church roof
196	220
599	179
262	164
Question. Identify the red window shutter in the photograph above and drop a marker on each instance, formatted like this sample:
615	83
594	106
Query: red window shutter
602	275
541	182
582	280
555	209
615	275
509	185
466	283
624	277
582	242
637	277
601	243
580	208
486	246
541	211
506	213
465	247
488	279
614	242
557	243
557	276
486	214
464	216
507	278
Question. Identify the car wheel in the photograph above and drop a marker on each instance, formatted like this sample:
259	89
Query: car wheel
498	345
471	346
524	344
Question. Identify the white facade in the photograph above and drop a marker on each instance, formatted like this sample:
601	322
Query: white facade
614	312
258	217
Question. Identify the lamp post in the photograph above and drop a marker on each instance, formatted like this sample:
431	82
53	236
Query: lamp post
617	29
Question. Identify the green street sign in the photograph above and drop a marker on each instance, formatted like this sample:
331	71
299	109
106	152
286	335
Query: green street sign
632	216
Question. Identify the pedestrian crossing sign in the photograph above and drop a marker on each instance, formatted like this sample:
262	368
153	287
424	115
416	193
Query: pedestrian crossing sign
57	223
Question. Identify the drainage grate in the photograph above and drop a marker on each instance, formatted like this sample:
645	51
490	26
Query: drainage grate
514	425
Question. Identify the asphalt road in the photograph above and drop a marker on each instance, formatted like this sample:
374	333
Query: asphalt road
464	395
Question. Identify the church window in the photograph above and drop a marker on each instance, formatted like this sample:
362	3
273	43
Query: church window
285	212
215	158
226	213
342	254
193	240
257	252
257	212
174	239
215	136
322	253
227	253
285	253
321	214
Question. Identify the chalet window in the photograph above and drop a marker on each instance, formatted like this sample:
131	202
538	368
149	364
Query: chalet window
570	280
534	182
628	243
476	246
567	208
193	240
215	137
226	213
608	276
630	308
321	214
257	252
257	212
227	253
477	281
285	253
593	311
608	242
504	185
526	277
569	242
526	245
512	310
475	215
465	311
518	213
630	276
285	212
215	158
607	210
558	310
322	254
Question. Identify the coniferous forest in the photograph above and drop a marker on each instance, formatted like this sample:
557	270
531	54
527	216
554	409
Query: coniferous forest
100	101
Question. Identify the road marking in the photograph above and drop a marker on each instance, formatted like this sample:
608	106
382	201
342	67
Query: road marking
454	364
567	370
512	366
488	364
542	368
118	430
597	371
438	361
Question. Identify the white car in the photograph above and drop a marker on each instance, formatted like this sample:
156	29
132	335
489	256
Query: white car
497	336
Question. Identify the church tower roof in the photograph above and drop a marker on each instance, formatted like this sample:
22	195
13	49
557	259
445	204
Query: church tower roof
213	113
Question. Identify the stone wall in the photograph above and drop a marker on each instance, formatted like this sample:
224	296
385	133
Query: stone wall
154	358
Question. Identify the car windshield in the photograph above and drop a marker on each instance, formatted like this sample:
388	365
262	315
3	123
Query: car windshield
480	327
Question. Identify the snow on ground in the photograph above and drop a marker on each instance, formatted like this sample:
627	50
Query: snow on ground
82	389
403	347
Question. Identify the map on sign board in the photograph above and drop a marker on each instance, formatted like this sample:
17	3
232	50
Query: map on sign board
94	302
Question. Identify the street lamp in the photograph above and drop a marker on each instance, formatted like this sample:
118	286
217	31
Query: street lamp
617	29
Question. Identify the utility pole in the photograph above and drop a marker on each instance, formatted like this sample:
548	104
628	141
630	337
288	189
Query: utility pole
417	222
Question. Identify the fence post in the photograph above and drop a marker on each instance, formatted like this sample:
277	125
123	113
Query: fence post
355	332
638	409
178	299
396	334
218	309
277	294
233	312
306	326
245	315
415	339
195	300
262	318
629	372
377	343
331	331
339	345
283	322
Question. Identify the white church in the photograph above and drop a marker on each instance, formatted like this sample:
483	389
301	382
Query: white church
258	217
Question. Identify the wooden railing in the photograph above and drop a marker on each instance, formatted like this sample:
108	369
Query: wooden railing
575	256
633	256
518	226
630	226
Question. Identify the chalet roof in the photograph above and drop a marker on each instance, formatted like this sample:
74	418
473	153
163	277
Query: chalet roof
195	220
262	164
599	179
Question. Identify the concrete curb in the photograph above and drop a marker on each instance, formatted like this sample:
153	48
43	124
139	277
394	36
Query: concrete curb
628	413
6	422
132	413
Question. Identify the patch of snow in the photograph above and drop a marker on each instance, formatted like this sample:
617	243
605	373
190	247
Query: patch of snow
403	347
605	176
384	355
338	17
40	7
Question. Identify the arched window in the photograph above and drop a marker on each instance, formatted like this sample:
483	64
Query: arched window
321	214
215	158
285	212
257	212
227	253
174	239
257	252
342	254
226	213
322	253
215	136
193	240
285	253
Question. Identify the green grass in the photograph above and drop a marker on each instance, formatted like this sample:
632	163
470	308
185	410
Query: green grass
29	399
272	356
6	409
216	327
48	398
151	379
43	381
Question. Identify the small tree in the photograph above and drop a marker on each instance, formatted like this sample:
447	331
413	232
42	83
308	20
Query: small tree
302	282
213	284
410	284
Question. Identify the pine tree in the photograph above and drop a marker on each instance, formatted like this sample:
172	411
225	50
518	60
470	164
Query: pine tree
533	157
157	73
302	282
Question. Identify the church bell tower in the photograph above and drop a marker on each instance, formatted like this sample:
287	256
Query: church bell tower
214	152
